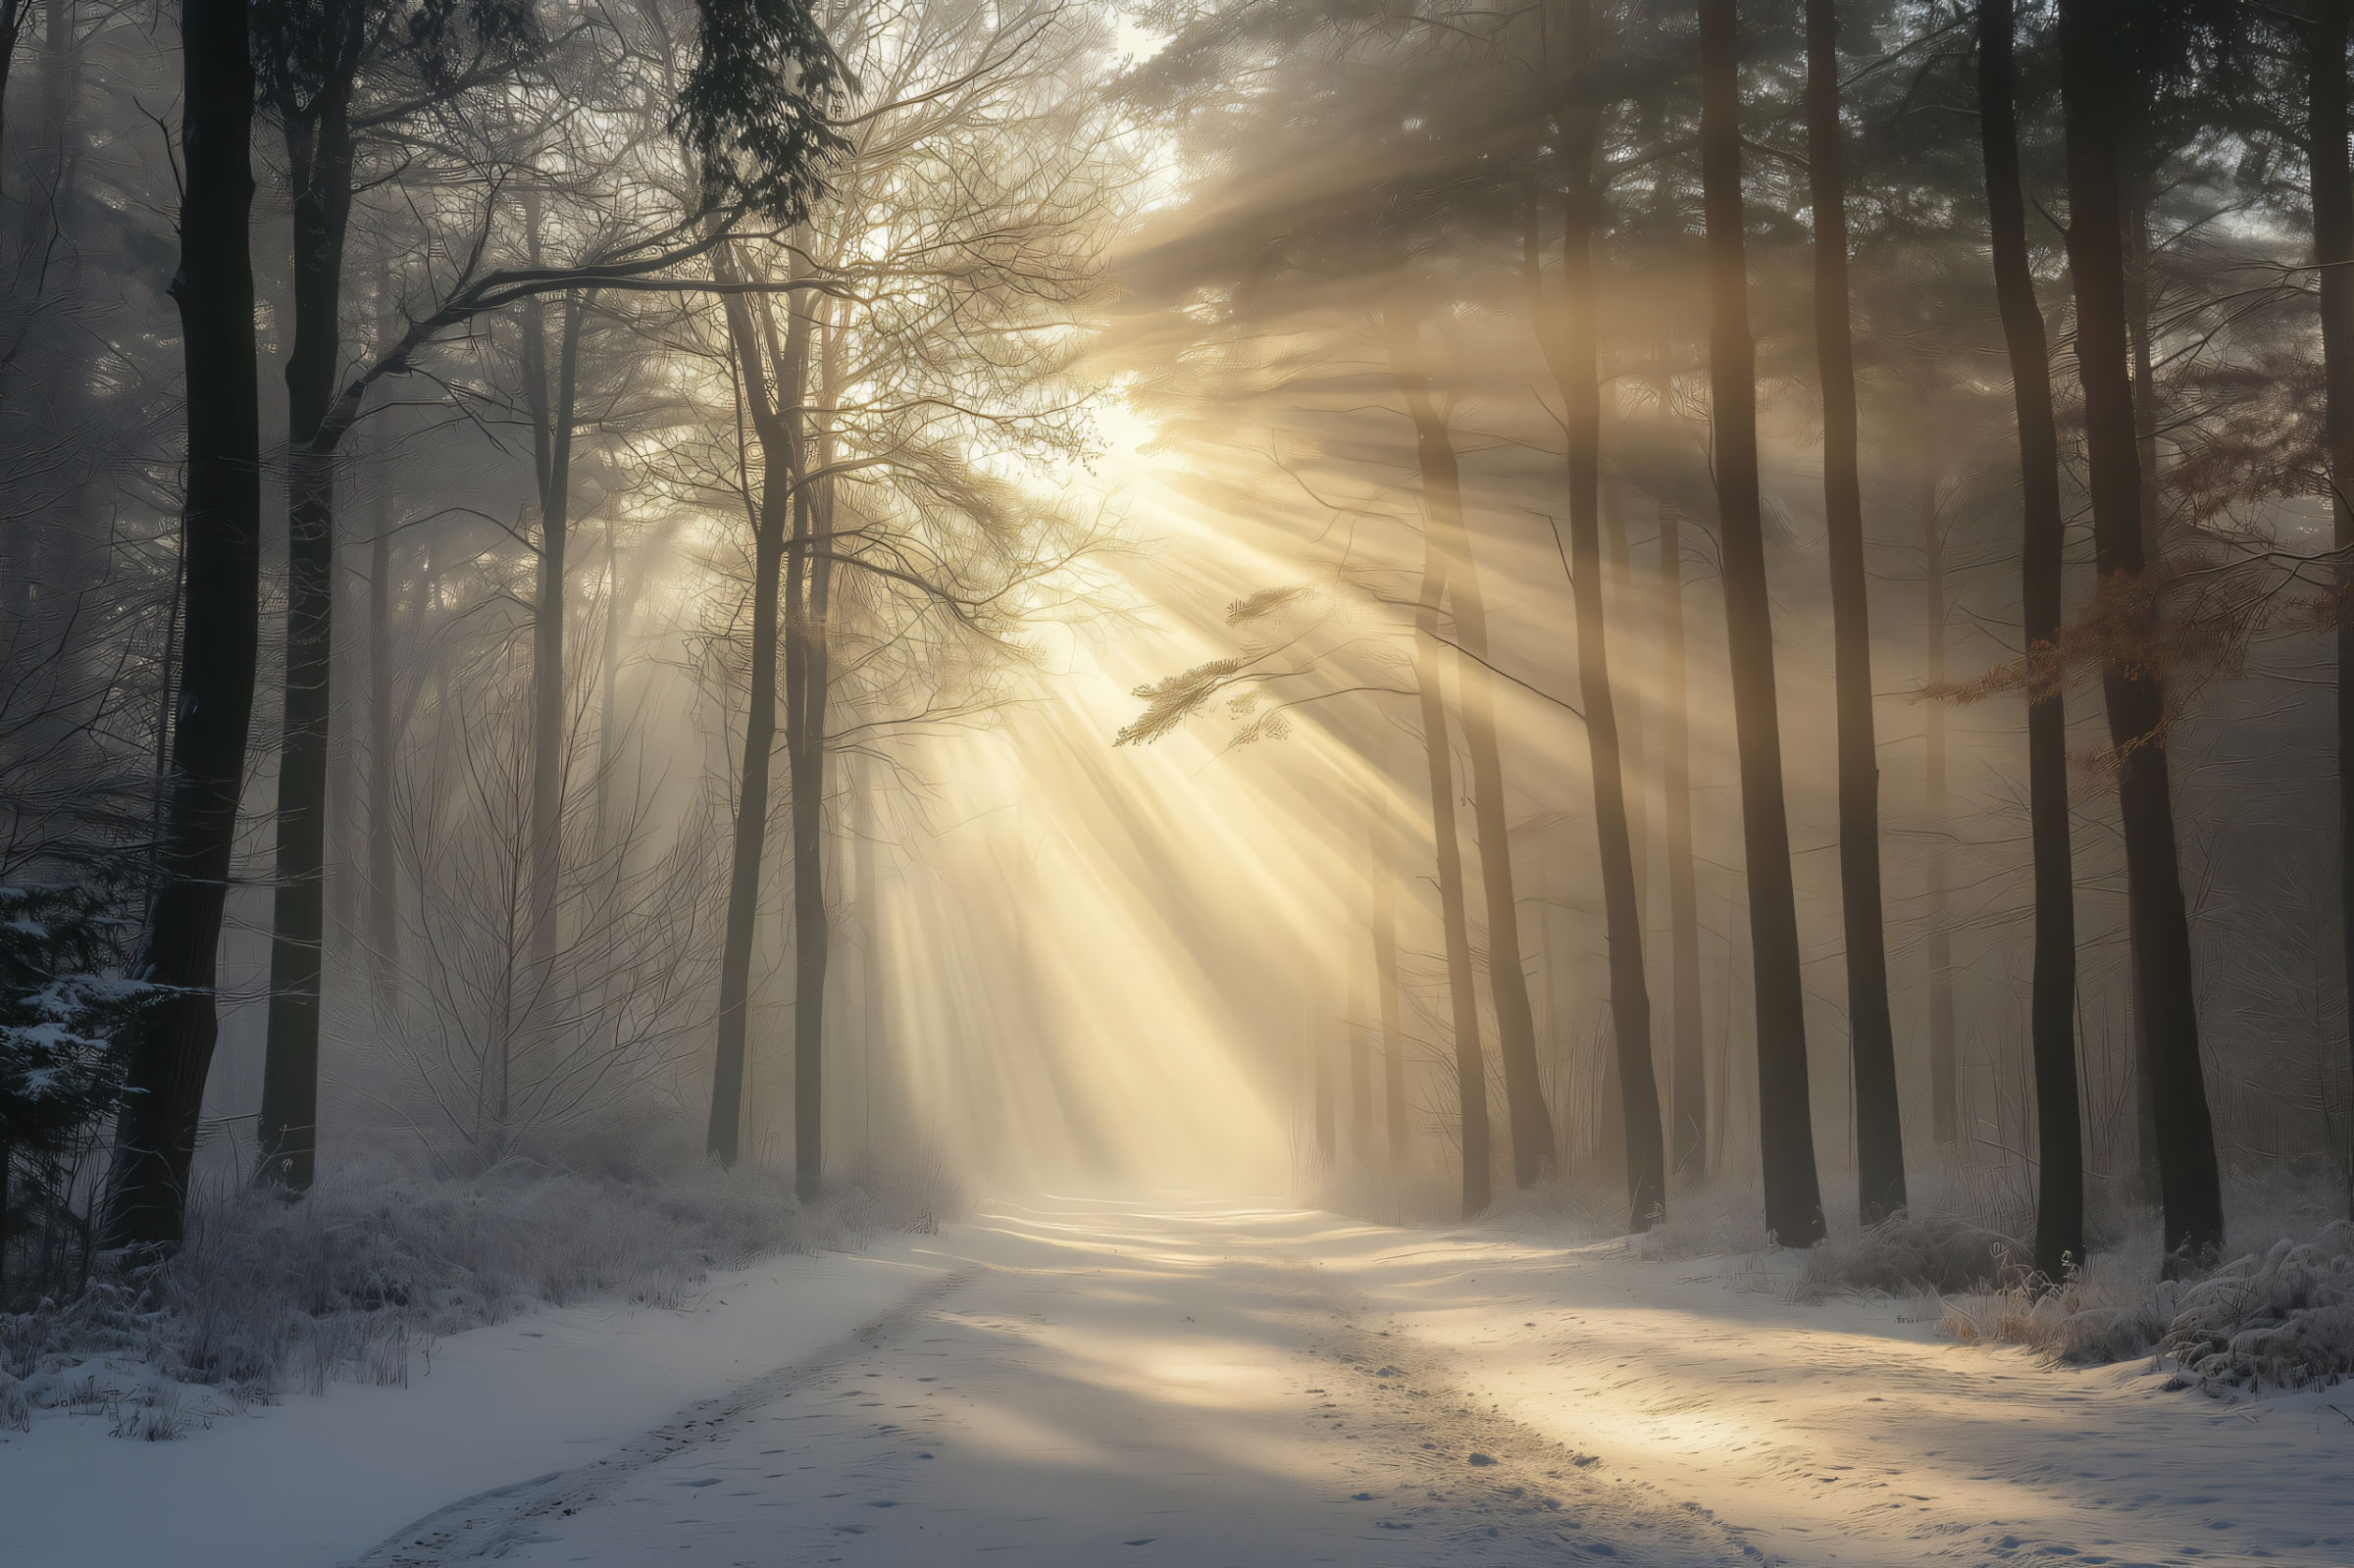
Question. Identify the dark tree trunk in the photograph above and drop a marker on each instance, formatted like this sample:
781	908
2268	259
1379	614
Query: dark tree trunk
2135	187
1879	1122
1383	882
1945	1097
1623	614
1533	1155
1470	1066
1785	1114
318	151
1569	333
550	402
2096	88
2060	1183
809	679
171	1051
1688	1073
383	923
2333	181
12	27
775	426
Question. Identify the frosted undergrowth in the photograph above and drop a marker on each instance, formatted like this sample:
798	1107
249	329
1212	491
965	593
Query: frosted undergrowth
356	1281
2278	1317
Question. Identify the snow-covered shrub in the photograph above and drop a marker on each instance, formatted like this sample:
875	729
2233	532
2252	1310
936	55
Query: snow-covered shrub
2280	1321
269	1296
2281	1318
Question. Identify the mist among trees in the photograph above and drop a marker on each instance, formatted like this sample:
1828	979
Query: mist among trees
1711	627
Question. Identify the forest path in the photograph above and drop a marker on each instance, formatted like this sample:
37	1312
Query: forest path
1094	1382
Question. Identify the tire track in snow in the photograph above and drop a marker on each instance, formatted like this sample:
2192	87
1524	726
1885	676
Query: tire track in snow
494	1523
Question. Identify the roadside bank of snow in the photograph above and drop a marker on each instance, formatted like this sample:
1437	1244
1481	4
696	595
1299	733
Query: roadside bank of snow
321	1479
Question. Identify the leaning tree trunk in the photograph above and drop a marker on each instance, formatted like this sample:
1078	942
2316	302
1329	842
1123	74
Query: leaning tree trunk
2096	91
1785	1115
2333	258
320	154
1570	332
1470	1065
2059	1118
1688	1137
777	428
170	1051
1533	1155
1879	1121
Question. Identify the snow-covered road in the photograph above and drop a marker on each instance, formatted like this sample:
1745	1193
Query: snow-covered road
1100	1383
1072	1381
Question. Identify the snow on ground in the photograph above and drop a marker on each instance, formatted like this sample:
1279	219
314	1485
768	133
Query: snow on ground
1076	1381
316	1481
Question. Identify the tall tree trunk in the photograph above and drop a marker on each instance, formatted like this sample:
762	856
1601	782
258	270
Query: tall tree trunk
319	153
383	923
1470	1066
1533	1155
808	682
1624	608
1571	343
1945	1089
1361	1067
1319	1057
1688	1074
12	26
1384	885
1879	1121
2060	1178
1785	1114
552	406
2135	187
776	428
2096	88
171	1049
873	1052
2334	256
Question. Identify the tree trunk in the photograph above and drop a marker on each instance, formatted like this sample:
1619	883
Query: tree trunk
2334	257
171	1049
2096	88
872	1045
552	412
12	26
1383	882
1879	1122
320	155
1622	611
809	679
1470	1066
2060	1183
777	428
1689	1133
1785	1114
383	923
1572	351
2145	449
1533	1156
1361	1067
1944	1097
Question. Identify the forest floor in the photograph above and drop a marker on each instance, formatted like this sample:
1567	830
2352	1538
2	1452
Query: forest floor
1196	1384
